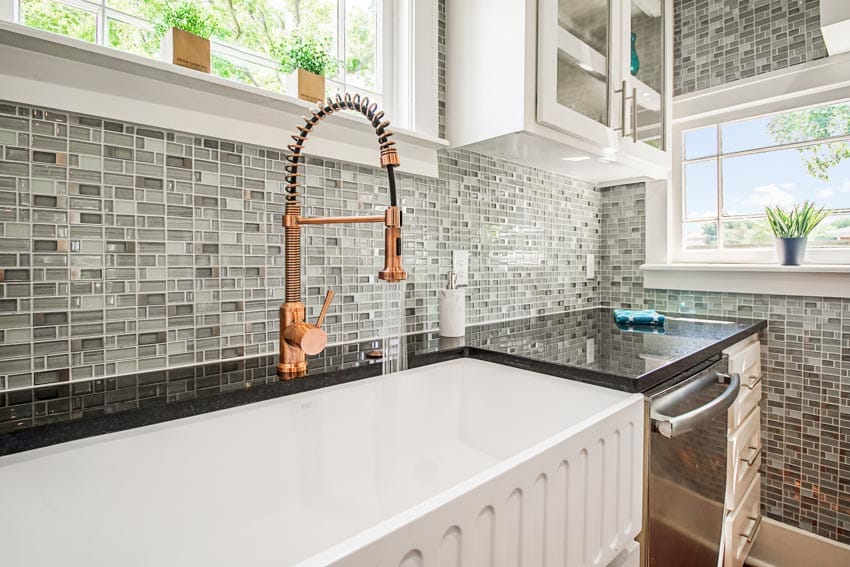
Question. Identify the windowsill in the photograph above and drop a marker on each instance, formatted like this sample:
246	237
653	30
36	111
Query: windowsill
818	280
45	69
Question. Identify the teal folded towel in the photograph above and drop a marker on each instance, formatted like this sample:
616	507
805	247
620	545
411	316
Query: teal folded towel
633	317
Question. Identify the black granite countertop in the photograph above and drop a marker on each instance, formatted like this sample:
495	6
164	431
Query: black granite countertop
581	345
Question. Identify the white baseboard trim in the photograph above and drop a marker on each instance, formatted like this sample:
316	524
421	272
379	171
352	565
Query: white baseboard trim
781	545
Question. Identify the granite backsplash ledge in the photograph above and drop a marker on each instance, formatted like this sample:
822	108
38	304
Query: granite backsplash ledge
584	345
126	248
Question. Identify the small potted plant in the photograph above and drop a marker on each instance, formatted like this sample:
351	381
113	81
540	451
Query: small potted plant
792	228
185	31
306	62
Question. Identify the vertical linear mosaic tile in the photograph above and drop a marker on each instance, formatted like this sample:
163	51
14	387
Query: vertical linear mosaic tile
718	41
127	248
805	364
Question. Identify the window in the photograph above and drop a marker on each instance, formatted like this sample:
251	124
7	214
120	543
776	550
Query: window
249	31
732	170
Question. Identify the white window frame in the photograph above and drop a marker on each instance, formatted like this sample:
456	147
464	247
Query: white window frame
53	71
753	255
752	98
10	10
817	82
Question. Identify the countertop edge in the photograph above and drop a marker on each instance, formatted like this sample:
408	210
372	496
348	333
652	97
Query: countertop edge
61	432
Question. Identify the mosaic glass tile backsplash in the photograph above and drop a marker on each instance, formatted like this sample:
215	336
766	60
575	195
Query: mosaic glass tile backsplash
805	364
127	248
715	42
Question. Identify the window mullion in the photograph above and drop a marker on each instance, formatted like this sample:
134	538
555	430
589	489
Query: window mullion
102	25
379	45
340	42
10	11
719	165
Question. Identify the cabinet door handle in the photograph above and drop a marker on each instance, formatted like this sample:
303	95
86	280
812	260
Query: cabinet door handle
634	114
753	381
754	457
623	98
751	535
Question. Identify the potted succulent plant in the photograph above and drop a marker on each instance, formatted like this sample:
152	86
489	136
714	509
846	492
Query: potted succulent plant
306	62
185	30
792	228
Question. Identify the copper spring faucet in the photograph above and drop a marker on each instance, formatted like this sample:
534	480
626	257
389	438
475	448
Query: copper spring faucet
297	337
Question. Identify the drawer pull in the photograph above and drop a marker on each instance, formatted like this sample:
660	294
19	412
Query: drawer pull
752	459
753	381
754	530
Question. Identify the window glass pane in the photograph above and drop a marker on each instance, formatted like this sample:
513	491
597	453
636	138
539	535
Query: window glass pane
745	135
60	18
785	177
746	232
700	235
803	125
701	190
361	48
255	25
589	21
247	73
701	143
146	9
249	33
318	19
583	91
134	39
833	232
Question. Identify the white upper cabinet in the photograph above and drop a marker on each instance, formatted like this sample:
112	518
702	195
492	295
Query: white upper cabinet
576	68
579	86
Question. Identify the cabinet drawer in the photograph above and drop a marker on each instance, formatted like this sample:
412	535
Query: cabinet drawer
748	400
745	359
743	458
742	525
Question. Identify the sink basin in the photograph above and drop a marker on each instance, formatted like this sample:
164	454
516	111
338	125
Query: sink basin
279	482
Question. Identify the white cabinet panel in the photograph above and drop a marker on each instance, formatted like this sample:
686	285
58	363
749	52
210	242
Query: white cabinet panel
744	458
542	81
742	525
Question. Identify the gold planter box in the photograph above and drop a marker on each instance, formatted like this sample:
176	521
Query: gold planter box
307	86
187	50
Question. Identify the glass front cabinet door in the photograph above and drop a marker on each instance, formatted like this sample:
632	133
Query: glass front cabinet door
576	72
645	56
602	72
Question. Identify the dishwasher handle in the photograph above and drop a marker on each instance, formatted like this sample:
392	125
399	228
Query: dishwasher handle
674	426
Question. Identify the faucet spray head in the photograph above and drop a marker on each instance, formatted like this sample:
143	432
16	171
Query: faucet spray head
393	271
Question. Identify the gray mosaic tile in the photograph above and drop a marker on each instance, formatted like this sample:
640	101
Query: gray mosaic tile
718	41
175	257
805	364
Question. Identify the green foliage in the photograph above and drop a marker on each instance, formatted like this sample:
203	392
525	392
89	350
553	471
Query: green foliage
254	25
189	18
709	231
305	53
815	123
60	18
798	222
360	45
746	232
132	39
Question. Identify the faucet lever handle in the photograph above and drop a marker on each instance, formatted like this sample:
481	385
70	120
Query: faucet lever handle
328	298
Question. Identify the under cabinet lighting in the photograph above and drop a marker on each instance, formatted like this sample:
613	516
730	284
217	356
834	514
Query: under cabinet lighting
577	158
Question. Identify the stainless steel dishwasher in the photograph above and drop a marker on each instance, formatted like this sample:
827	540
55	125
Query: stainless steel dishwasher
686	468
